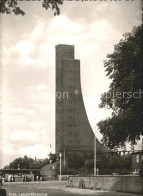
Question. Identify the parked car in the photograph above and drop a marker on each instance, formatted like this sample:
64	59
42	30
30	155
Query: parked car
115	174
135	173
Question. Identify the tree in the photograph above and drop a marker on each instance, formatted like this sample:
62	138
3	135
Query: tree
123	67
23	163
76	163
39	164
75	160
26	163
52	157
114	164
11	6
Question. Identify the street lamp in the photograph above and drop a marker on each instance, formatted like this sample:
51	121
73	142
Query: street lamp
95	152
60	155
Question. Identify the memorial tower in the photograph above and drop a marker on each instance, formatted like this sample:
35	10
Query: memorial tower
73	131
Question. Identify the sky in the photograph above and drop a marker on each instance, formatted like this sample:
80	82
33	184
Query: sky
28	67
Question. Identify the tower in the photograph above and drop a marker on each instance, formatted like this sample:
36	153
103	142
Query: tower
73	131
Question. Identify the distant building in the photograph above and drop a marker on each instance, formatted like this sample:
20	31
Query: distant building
139	144
137	156
73	131
48	171
18	174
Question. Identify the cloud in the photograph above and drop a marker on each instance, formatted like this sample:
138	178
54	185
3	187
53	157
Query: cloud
37	149
62	25
94	113
28	137
25	47
38	32
40	87
98	28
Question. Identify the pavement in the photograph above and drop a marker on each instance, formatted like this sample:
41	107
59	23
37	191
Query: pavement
53	188
97	192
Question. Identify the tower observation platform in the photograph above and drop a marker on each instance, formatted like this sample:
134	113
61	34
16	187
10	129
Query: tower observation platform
73	131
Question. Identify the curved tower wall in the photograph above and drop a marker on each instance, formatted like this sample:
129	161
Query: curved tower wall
73	131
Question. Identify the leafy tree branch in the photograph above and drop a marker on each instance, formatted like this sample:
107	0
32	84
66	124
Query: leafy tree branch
11	6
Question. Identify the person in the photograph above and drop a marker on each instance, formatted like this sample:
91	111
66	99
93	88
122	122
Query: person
37	178
0	181
41	178
2	191
8	177
3	179
11	177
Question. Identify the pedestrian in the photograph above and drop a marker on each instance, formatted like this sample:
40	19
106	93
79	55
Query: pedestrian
9	177
2	191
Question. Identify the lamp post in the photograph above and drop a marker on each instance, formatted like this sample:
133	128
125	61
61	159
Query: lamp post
95	152
60	155
94	155
64	157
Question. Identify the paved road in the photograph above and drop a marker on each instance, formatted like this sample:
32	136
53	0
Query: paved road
52	188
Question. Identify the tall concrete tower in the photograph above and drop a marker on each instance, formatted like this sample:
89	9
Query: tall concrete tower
73	131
